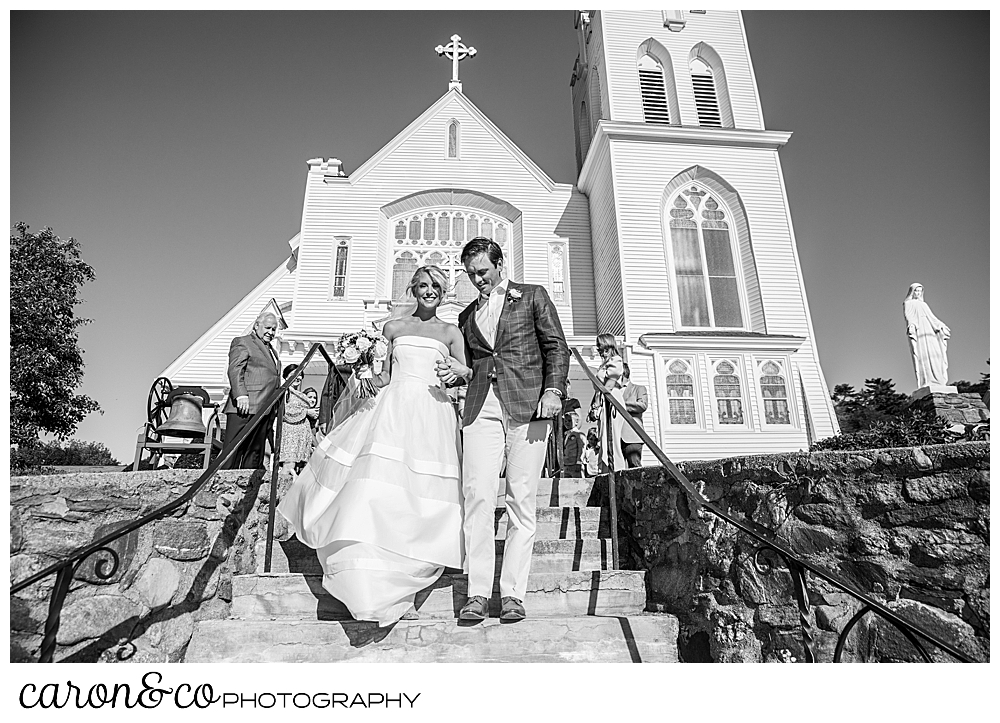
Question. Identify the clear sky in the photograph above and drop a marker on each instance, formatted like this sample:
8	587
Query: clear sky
173	146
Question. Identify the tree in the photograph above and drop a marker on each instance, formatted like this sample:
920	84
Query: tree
877	402
46	362
73	453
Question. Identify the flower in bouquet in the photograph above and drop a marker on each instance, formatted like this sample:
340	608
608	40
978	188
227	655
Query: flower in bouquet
360	350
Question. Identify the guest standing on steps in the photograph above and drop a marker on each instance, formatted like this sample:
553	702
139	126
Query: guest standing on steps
519	364
635	398
253	377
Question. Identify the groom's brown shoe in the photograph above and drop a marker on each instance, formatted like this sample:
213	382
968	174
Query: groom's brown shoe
475	609
511	609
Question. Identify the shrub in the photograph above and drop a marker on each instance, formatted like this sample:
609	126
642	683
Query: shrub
912	428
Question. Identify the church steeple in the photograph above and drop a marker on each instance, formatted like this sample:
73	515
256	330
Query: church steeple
687	68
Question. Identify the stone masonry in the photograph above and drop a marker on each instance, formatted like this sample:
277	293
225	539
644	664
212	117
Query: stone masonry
172	573
909	526
964	408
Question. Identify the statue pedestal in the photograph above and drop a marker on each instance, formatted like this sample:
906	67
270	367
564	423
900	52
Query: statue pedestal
933	389
950	406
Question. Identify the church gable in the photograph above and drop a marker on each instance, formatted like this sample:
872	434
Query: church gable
453	137
449	176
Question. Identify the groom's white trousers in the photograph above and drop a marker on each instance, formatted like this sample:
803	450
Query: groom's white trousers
486	441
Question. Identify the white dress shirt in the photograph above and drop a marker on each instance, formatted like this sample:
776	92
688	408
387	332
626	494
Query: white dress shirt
488	313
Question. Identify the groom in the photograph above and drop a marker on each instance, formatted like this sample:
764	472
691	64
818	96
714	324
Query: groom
520	361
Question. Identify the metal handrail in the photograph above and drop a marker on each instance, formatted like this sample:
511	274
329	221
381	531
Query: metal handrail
67	567
797	566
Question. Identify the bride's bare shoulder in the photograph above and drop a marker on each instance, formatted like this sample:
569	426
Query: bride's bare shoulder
392	328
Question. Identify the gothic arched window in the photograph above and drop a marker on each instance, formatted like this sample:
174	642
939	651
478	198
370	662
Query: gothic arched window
680	392
453	139
338	279
703	259
711	90
728	394
774	391
652	87
706	99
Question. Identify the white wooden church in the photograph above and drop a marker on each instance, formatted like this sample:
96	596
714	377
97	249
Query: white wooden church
677	236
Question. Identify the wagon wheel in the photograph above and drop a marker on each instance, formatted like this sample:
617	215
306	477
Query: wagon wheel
157	405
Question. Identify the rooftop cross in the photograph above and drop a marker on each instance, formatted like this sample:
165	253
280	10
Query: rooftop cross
456	51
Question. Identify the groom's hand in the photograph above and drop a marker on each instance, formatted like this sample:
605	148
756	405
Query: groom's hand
548	406
450	370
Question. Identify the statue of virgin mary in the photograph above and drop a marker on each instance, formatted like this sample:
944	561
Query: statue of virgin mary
928	339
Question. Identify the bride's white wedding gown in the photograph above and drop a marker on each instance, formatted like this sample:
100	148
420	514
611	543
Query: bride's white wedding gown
381	498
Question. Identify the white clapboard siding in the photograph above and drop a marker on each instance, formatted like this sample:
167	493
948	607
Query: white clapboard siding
642	169
607	261
622	32
204	363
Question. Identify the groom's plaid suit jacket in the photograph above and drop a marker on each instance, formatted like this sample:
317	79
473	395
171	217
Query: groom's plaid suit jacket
529	355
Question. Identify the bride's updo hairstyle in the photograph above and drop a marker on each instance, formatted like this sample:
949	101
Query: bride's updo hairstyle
438	278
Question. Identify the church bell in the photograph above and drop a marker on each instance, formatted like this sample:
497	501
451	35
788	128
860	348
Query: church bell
185	419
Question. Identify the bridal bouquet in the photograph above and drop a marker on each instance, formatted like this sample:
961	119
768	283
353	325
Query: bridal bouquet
359	350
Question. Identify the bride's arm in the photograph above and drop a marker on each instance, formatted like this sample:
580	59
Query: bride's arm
382	378
456	345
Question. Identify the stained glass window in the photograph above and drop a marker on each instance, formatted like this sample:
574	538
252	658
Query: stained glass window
775	393
704	266
728	397
453	139
339	285
680	393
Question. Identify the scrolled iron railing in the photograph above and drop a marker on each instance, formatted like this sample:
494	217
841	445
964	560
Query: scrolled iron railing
767	542
66	569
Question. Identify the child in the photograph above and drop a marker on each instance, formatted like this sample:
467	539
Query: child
592	454
573	445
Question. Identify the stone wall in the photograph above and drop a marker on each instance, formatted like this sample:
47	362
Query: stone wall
173	572
909	526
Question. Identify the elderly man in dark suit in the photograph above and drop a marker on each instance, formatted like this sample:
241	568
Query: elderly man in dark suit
517	381
636	402
253	377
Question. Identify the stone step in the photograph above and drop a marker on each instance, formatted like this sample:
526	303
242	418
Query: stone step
560	492
647	638
589	553
291	595
561	523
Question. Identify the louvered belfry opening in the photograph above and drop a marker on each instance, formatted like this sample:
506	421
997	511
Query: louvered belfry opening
654	91
706	100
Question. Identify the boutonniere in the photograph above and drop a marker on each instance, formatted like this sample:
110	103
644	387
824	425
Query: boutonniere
513	296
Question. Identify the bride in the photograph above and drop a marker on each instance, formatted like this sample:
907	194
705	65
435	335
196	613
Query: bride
381	498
